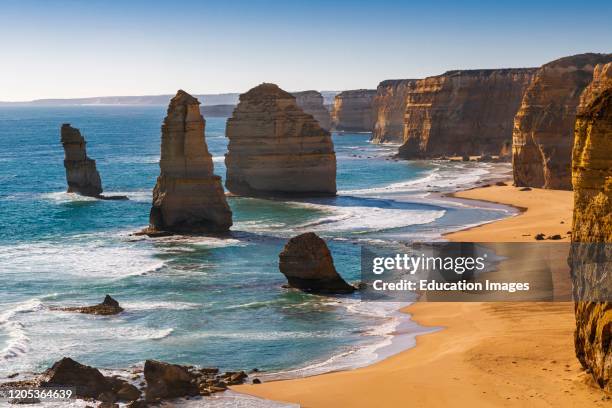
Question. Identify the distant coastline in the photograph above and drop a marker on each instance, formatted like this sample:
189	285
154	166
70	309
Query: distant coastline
162	100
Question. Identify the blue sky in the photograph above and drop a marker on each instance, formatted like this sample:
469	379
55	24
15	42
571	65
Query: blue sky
94	48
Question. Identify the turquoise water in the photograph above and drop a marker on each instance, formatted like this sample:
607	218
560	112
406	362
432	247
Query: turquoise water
207	301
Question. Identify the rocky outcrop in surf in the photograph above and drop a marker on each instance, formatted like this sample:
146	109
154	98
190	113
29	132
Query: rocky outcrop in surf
308	265
311	102
353	111
157	382
591	258
188	196
81	173
88	382
109	306
275	149
544	125
389	109
463	113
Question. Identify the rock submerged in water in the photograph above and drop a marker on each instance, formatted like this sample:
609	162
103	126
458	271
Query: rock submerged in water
188	196
81	173
591	256
108	307
307	264
275	149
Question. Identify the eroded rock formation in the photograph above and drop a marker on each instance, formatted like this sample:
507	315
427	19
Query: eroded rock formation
188	196
81	173
544	125
277	149
459	113
311	102
109	306
591	257
308	265
353	111
88	382
389	109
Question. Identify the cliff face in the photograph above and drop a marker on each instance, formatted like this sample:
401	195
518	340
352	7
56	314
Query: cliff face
277	149
217	111
81	173
311	102
188	197
592	263
353	111
463	112
544	125
389	108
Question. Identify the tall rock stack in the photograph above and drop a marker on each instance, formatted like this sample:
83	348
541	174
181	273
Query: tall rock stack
389	108
275	149
81	173
188	196
353	111
592	231
461	113
311	102
544	125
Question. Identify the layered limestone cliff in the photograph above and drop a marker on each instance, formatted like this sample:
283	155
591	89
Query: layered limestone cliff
276	149
188	196
461	113
353	111
544	125
389	109
81	173
591	257
311	102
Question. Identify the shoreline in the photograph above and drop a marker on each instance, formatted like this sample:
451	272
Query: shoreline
531	360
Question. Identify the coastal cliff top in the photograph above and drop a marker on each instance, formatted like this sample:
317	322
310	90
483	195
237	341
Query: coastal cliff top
265	90
486	72
395	82
580	60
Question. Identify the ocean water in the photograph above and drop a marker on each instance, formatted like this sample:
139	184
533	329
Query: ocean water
204	301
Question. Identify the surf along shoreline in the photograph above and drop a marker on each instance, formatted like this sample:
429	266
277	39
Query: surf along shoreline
487	354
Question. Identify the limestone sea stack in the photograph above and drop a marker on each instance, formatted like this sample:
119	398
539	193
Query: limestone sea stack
544	125
592	230
353	111
463	113
275	149
308	265
81	173
311	102
389	109
188	196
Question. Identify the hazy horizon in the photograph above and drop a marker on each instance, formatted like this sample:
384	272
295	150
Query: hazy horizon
73	49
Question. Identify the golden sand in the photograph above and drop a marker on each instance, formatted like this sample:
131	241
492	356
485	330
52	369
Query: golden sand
487	355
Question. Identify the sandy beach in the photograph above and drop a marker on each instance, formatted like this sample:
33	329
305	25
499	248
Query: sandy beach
487	355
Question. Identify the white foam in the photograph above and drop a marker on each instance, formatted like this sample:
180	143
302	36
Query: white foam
367	219
17	339
157	305
87	259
